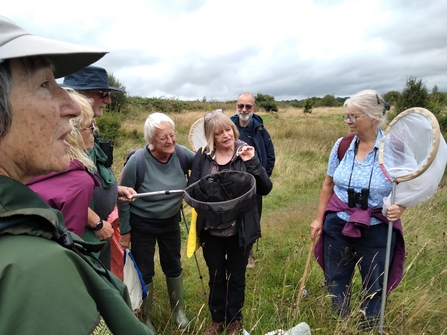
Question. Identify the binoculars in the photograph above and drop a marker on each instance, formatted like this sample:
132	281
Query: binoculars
107	147
358	198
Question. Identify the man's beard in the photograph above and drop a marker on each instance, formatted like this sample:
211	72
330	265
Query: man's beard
245	116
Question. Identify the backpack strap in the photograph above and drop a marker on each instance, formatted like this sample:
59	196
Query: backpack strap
344	145
140	164
182	157
140	168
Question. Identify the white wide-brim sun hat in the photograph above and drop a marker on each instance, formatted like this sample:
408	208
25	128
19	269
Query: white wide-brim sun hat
66	58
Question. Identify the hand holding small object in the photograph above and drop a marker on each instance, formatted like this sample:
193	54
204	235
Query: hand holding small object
246	153
125	194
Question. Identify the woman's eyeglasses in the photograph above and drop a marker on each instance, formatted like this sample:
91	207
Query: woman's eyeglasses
247	107
91	127
164	139
352	117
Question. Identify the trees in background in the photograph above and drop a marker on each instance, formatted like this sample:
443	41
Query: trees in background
267	102
119	99
414	94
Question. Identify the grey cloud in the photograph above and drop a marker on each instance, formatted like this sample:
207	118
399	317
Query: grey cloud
413	45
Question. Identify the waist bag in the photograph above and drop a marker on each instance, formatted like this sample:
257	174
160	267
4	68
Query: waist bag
222	230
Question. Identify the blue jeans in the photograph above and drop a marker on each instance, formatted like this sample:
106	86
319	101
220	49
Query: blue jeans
227	263
342	254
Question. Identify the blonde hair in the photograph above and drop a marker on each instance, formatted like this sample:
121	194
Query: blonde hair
212	121
74	137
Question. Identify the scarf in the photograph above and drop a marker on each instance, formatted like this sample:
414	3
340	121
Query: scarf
99	158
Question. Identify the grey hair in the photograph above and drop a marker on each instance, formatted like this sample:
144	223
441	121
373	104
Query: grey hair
249	94
5	103
154	121
369	102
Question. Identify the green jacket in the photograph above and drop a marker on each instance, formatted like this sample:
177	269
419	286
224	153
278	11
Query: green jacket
47	288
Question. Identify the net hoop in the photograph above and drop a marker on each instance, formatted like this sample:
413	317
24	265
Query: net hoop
434	149
196	136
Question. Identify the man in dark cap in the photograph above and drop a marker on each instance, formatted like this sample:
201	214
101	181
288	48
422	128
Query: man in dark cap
93	82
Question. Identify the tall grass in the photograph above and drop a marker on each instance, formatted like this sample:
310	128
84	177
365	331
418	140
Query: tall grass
302	144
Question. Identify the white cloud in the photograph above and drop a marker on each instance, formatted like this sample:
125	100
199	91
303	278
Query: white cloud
289	49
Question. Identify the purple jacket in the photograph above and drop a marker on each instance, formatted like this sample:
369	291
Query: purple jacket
70	192
360	218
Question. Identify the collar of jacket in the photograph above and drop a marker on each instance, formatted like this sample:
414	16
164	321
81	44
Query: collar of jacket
23	212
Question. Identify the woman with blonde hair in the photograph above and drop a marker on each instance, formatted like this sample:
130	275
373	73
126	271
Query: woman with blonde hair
71	191
226	255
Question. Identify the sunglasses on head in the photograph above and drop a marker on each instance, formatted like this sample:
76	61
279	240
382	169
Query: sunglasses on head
248	107
210	115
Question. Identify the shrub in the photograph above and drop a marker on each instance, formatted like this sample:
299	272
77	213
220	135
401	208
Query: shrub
109	125
119	99
267	102
307	105
414	94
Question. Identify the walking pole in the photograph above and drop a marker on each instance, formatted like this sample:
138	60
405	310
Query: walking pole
306	268
195	256
387	265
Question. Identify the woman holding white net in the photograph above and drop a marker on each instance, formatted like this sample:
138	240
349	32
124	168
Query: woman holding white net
350	220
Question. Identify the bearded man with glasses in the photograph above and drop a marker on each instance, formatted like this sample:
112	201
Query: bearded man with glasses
252	131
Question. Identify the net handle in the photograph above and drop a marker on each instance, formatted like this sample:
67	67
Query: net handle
431	156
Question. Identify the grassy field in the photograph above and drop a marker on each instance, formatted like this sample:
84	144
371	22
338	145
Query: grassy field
302	143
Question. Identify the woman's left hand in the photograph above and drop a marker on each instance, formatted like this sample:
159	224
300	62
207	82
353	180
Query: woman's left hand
394	212
125	194
246	153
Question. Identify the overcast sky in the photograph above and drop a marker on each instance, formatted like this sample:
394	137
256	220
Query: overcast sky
291	49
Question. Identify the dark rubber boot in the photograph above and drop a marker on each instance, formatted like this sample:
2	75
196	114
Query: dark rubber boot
147	306
175	290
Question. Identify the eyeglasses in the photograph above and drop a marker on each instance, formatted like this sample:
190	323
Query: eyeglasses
210	115
92	127
164	139
352	117
103	94
248	107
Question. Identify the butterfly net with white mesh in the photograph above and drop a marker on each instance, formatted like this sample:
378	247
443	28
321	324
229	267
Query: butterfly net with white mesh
413	154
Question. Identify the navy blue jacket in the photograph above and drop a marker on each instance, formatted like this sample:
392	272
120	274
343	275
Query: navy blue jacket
263	143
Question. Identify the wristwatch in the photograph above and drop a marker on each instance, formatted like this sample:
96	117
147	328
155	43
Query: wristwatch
98	226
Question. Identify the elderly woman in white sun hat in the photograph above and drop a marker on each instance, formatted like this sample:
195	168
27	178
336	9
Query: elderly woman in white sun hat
50	283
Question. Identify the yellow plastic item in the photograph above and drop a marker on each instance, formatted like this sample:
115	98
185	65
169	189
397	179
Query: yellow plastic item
193	242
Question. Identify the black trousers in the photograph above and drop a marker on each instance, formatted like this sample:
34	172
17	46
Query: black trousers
143	251
227	264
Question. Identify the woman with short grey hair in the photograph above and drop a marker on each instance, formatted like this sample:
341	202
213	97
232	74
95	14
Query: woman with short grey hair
155	220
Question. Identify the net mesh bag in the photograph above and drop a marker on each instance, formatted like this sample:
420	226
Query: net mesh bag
222	197
413	154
